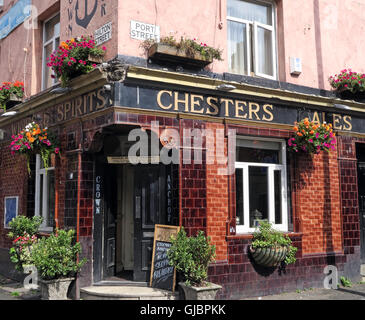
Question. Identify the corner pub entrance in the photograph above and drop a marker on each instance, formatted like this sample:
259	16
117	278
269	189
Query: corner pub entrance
133	199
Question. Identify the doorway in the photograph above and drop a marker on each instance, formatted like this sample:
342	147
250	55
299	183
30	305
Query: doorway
360	151
136	198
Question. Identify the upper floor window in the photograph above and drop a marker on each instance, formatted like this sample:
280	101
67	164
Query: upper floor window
51	41
251	38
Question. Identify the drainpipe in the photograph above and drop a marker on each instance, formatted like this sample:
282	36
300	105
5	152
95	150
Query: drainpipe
180	174
56	197
78	215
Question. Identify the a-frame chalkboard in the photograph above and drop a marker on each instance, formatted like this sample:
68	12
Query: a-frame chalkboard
163	275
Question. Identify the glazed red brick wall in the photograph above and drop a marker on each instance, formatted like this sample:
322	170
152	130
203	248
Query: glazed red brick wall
318	206
349	192
13	182
217	195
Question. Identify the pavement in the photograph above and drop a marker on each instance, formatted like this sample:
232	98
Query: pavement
12	290
355	292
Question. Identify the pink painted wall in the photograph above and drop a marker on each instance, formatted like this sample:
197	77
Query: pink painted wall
325	34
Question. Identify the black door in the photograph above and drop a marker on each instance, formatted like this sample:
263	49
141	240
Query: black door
361	185
110	215
149	209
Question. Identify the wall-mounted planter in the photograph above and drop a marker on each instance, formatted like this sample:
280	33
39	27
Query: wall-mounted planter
13	101
348	95
162	53
95	59
269	257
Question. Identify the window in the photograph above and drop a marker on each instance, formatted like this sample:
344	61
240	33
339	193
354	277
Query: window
44	194
51	41
251	38
261	192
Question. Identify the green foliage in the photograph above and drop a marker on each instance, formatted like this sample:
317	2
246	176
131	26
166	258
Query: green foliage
265	236
189	46
22	225
348	80
56	256
191	256
345	282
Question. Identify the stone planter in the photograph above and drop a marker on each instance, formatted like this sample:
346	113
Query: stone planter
165	53
55	289
200	293
269	257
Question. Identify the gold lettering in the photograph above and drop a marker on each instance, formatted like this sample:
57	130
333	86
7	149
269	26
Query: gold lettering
91	95
195	101
213	105
99	95
185	101
67	109
239	107
253	110
336	120
159	102
266	107
347	120
78	104
226	105
316	120
60	113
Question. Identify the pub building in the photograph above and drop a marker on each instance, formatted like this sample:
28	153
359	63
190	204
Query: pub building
217	156
114	204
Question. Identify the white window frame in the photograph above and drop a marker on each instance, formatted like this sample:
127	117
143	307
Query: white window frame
245	228
254	25
45	196
44	45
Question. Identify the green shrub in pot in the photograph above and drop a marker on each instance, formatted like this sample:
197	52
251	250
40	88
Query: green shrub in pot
269	247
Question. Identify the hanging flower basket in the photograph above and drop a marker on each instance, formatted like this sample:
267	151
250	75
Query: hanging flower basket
312	138
270	256
34	140
74	58
11	94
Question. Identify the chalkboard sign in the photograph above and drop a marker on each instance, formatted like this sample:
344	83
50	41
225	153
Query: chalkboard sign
163	275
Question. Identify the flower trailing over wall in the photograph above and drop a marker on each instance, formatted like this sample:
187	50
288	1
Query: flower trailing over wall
312	138
72	58
189	46
34	140
8	90
348	80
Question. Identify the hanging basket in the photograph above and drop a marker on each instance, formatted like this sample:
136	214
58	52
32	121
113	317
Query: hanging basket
269	257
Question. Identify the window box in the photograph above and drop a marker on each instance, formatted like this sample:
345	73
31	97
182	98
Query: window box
13	101
95	59
165	53
346	94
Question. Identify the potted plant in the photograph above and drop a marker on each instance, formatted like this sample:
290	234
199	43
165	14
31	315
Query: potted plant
191	257
23	231
75	57
11	93
34	140
186	52
349	85
270	247
56	259
312	138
